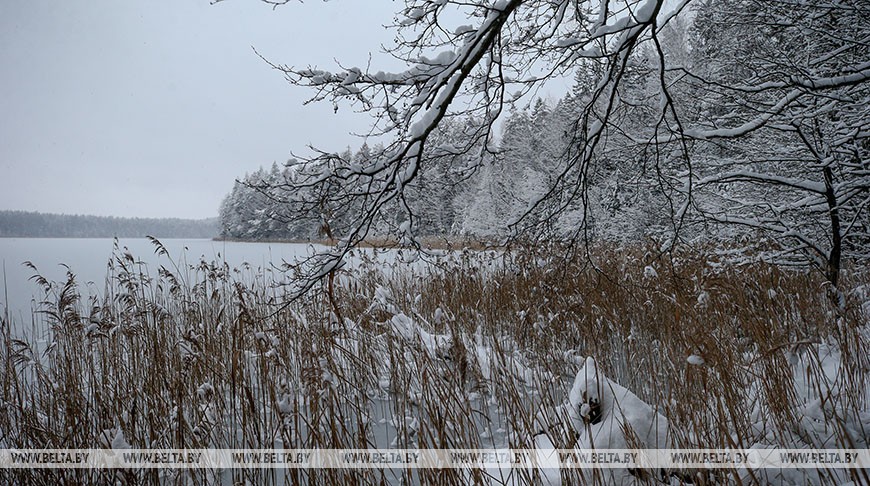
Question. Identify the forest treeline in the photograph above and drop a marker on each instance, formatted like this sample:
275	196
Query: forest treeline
26	224
455	195
720	126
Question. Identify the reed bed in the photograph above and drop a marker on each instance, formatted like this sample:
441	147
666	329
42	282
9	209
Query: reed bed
473	350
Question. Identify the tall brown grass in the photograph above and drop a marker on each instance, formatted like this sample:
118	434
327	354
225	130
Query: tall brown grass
196	356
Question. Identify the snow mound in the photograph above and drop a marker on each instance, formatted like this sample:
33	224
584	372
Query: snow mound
608	415
602	414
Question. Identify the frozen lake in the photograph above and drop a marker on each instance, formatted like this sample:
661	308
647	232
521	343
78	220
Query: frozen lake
88	258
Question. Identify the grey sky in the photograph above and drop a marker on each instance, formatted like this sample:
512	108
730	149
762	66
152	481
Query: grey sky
152	108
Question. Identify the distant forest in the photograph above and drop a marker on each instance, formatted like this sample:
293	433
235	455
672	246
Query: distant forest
24	224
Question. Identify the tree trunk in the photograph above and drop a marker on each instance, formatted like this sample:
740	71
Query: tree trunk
832	272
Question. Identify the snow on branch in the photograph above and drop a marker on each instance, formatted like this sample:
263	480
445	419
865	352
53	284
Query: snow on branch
761	178
514	43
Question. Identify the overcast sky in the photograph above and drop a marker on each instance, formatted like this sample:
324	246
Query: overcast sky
151	108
